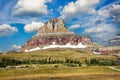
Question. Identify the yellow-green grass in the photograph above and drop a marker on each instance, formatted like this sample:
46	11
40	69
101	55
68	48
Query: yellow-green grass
58	55
60	72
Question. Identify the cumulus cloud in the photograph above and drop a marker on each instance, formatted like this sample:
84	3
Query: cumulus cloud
100	27
30	8
73	9
34	26
15	47
6	29
74	26
99	24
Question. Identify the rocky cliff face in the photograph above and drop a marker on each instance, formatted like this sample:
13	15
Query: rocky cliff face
54	32
54	25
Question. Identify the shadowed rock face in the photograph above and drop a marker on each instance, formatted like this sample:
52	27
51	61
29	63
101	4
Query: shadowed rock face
54	31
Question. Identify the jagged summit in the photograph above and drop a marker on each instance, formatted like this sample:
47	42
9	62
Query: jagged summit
54	26
54	33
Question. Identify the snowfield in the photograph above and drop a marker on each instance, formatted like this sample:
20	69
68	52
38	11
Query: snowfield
34	49
68	45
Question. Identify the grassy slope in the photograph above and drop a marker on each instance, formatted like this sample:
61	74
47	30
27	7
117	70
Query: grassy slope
59	72
60	55
49	72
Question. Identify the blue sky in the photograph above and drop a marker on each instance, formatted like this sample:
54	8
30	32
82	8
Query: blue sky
20	19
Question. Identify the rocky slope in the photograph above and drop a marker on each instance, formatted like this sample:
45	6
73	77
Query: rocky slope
54	32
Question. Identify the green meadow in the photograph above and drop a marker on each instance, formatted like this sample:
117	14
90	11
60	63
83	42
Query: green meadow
59	65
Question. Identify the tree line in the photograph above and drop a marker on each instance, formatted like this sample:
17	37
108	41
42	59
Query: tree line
68	62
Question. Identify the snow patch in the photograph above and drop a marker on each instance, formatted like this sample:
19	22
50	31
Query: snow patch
53	42
96	52
34	49
68	45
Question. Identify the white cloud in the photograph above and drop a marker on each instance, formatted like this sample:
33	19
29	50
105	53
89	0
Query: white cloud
74	26
96	23
103	31
73	9
112	10
34	26
100	26
31	8
92	11
98	29
6	29
104	13
15	47
115	11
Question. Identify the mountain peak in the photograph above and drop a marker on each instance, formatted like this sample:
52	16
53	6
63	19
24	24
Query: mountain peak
54	32
54	25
